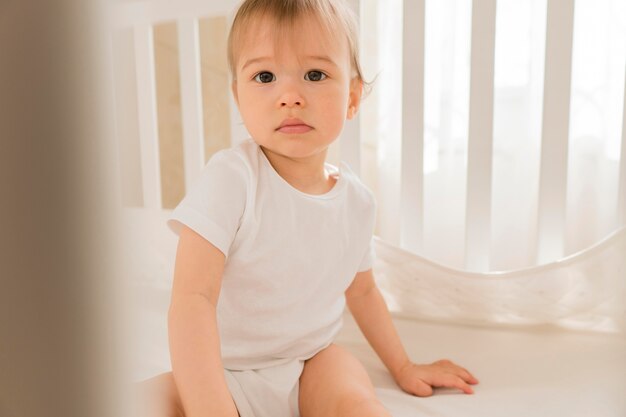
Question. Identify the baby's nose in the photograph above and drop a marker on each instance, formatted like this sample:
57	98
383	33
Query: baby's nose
291	97
291	103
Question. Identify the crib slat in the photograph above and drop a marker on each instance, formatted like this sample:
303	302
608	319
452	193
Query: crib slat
621	205
350	145
238	131
480	140
412	194
191	98
146	101
555	131
350	141
111	100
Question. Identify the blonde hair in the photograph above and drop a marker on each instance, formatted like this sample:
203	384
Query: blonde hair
331	14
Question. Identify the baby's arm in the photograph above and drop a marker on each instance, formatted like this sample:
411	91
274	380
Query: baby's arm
192	327
370	311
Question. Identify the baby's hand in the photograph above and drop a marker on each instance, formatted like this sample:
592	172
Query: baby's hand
420	379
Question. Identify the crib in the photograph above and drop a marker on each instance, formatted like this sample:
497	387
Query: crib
544	340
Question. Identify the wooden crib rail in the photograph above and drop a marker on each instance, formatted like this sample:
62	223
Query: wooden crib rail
621	197
146	105
554	141
152	12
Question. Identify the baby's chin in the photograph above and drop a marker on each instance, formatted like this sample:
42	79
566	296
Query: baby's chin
295	147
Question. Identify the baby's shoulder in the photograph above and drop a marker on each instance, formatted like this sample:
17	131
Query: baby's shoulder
236	162
358	189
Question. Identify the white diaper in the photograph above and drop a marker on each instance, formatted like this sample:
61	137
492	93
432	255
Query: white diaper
267	392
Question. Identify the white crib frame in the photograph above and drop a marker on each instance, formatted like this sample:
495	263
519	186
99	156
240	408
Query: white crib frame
141	16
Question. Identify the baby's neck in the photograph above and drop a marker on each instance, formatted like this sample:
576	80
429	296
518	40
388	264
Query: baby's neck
306	175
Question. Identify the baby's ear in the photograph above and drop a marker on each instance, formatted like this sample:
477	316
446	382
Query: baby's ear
356	89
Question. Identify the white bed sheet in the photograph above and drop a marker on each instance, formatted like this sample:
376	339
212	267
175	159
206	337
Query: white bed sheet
538	372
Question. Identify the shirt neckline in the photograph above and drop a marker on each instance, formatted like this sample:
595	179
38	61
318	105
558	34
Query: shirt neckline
338	172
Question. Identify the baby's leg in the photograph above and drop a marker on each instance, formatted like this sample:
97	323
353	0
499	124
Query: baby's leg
158	397
334	383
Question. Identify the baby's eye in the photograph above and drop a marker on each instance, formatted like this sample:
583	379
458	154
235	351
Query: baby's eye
316	75
264	77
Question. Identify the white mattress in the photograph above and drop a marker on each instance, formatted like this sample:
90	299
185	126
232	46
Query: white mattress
538	372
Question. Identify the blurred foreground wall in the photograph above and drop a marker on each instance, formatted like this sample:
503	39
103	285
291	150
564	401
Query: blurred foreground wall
60	350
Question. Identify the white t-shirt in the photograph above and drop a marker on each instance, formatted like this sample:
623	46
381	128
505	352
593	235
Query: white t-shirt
290	256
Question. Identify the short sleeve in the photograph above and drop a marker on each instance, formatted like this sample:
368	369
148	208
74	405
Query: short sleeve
214	204
368	260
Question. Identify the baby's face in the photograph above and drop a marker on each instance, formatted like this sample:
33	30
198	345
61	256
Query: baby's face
309	81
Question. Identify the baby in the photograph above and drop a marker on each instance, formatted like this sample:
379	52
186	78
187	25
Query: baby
275	242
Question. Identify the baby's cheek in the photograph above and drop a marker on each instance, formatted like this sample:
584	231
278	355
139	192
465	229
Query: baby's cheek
338	120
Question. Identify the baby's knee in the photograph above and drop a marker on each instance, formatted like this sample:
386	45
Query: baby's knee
362	404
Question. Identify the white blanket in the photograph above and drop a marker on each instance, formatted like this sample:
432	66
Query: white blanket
538	372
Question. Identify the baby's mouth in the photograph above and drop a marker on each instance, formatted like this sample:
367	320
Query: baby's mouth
293	126
291	129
